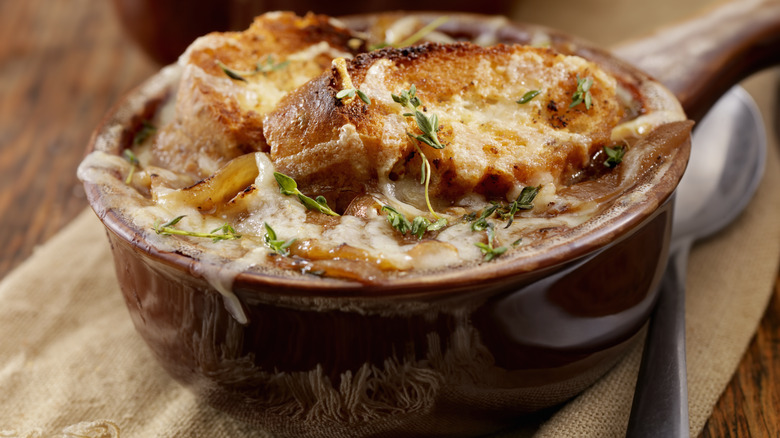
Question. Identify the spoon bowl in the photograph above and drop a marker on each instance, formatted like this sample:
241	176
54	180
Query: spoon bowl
726	166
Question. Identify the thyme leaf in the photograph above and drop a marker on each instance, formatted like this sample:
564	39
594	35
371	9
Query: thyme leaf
524	201
263	67
428	125
130	156
351	92
407	98
224	232
397	220
614	155
487	249
506	212
288	187
583	92
232	74
147	129
438	225
418	226
481	223
527	97
415	37
278	246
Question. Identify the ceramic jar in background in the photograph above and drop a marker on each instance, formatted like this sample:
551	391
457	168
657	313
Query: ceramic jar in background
164	28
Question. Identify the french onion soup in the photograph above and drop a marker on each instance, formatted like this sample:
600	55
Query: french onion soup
300	147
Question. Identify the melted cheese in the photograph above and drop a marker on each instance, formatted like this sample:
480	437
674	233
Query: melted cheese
480	120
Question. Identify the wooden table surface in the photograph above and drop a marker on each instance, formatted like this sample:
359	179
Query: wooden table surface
64	63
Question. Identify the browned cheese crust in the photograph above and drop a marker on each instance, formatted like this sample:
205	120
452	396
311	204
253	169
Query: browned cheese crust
492	143
218	117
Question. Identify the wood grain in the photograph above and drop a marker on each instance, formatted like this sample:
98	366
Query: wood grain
64	63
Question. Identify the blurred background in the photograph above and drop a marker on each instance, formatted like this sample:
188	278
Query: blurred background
164	28
64	63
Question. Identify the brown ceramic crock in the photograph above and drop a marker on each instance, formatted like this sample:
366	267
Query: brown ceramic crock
462	352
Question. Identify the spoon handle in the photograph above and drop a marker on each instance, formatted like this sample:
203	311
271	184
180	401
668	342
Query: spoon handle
660	407
702	57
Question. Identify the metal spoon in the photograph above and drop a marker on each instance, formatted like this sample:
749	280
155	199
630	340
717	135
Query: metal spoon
727	161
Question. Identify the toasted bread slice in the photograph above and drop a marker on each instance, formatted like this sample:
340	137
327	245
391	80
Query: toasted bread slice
230	80
493	145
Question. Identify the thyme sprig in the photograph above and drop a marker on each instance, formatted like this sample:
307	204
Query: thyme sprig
481	223
260	67
487	249
278	246
418	226
429	126
425	179
224	232
130	156
288	187
147	129
614	155
524	201
505	212
421	224
529	96
397	220
408	98
583	92
349	93
415	37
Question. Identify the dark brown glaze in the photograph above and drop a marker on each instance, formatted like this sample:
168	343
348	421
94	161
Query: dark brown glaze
530	343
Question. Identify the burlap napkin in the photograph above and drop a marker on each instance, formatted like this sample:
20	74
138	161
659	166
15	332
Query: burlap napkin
72	365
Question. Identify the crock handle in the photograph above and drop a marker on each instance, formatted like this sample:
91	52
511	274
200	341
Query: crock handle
701	58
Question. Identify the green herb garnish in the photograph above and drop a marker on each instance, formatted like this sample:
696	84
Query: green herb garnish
425	179
415	37
417	227
420	225
524	201
225	232
288	186
527	97
429	125
481	223
278	246
614	155
408	98
487	249
147	129
260	67
350	93
397	220
130	156
506	212
232	74
583	93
